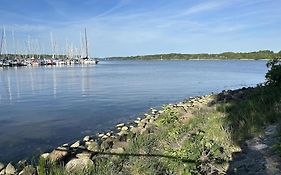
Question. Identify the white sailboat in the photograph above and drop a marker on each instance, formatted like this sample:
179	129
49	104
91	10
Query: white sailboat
86	59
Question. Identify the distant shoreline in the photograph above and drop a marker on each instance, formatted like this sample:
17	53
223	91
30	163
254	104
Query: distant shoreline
120	59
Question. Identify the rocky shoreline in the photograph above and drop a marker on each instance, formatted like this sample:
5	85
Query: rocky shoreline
78	155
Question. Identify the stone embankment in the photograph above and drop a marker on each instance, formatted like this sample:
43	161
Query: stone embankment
79	155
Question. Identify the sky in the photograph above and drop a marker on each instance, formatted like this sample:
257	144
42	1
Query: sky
141	27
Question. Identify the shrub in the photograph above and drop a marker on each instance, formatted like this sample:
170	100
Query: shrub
273	76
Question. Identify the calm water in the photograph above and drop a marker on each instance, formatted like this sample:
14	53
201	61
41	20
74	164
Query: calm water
43	107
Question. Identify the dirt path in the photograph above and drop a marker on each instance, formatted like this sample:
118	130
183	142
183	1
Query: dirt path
257	156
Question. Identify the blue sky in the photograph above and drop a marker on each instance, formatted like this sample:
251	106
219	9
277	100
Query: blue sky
138	27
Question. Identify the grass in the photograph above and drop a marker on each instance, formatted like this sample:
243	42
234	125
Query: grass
201	144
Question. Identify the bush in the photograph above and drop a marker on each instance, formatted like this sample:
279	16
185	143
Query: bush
273	76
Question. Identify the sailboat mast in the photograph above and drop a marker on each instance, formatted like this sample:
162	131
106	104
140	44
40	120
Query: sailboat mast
86	43
1	44
53	46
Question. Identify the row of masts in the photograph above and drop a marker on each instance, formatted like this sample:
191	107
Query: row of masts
35	49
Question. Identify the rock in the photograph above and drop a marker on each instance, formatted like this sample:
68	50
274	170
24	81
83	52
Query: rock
124	128
122	135
45	155
108	134
135	130
137	121
2	166
143	131
86	138
78	166
84	155
2	172
93	146
138	118
76	144
65	145
104	137
63	148
28	170
117	150
120	125
21	165
100	135
58	155
10	169
108	143
142	123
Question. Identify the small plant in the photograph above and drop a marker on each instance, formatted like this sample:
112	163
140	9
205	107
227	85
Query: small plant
170	115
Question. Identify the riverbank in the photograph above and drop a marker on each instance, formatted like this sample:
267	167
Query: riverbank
199	135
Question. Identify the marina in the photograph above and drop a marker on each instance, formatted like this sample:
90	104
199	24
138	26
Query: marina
34	58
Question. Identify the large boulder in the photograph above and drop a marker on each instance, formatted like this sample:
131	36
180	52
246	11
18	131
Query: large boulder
10	169
106	144
92	146
28	170
84	155
117	150
58	155
79	166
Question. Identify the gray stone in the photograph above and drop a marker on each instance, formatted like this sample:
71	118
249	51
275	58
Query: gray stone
2	172
76	144
86	138
124	128
58	155
62	148
78	166
104	137
100	135
117	150
93	146
108	143
84	155
120	125
10	169
28	170
45	155
2	166
135	130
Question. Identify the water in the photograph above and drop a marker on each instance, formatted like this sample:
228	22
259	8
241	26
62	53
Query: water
43	107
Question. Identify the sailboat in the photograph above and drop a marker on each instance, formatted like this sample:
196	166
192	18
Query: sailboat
86	59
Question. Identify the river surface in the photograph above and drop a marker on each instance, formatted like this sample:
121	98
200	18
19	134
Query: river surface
43	107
